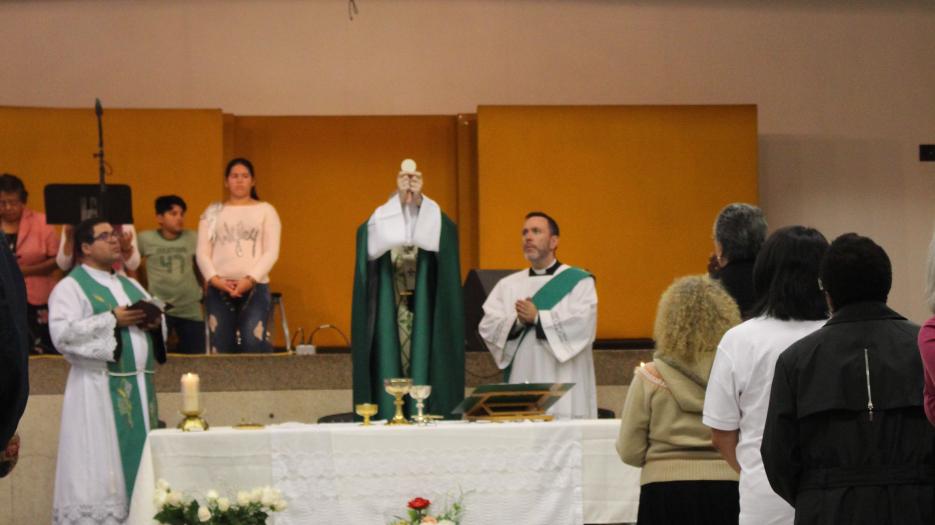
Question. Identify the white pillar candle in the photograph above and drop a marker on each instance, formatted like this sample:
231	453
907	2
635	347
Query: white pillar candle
190	393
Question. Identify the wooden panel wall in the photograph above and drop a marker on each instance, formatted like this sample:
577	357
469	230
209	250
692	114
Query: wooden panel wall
325	176
634	189
154	151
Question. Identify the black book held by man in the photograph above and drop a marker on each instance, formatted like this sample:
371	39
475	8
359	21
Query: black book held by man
153	308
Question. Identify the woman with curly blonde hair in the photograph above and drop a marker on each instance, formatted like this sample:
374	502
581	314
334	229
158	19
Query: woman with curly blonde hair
684	480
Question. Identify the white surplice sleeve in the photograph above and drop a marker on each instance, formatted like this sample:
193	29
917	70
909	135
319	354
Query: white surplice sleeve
133	262
497	323
62	259
76	332
571	325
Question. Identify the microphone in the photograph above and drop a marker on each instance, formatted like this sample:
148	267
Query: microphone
98	110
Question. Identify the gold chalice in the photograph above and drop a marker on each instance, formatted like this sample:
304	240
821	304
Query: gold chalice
366	411
398	387
420	393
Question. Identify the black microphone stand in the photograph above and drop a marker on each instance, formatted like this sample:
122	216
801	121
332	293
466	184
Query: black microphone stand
99	111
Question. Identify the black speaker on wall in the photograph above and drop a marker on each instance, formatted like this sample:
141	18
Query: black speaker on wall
477	286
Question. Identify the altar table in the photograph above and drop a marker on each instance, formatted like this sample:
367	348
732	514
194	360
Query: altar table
559	472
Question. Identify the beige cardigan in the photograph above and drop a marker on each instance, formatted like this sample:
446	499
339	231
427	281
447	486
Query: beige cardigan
661	429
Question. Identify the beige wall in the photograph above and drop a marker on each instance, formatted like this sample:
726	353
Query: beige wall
843	89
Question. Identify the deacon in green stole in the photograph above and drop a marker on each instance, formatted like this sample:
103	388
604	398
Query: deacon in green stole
407	318
539	324
109	403
126	402
545	299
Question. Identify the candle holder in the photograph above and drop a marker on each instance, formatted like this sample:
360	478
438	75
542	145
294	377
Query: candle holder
193	422
191	406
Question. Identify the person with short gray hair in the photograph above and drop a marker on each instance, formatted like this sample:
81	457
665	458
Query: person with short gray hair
739	232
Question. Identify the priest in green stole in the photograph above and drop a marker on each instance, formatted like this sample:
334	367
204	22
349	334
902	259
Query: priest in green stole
407	318
110	399
539	324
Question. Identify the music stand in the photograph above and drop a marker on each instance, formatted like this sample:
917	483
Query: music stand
73	203
512	401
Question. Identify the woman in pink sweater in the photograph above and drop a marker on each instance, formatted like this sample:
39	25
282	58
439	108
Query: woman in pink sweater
34	243
238	244
927	337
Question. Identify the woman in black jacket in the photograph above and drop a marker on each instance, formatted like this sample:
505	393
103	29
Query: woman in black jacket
846	438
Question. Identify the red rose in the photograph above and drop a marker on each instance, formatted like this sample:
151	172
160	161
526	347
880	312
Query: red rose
419	503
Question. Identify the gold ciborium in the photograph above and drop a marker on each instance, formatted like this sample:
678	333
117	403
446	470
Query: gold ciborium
420	393
398	387
366	411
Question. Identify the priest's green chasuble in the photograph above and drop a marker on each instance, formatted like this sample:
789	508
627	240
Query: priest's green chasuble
433	319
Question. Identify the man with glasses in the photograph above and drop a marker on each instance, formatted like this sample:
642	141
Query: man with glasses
110	399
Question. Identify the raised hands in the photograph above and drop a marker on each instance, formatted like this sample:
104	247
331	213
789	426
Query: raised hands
409	183
126	243
526	311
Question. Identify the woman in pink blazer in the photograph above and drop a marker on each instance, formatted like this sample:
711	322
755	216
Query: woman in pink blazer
35	245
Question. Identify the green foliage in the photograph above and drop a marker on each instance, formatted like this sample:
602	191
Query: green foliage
252	514
250	508
454	513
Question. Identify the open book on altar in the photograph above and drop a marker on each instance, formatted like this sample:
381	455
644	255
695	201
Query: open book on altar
512	401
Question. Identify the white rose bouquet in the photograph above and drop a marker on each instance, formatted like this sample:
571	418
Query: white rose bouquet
250	508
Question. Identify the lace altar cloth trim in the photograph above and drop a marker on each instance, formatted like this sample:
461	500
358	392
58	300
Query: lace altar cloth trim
528	474
104	514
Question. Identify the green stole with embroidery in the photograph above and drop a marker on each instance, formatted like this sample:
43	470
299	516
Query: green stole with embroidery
125	397
546	298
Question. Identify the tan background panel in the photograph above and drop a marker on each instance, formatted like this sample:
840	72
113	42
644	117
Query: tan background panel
603	167
634	190
325	176
154	151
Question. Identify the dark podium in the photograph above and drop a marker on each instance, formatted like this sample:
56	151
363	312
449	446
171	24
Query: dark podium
477	286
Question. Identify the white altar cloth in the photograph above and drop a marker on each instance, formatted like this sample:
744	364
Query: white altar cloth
560	472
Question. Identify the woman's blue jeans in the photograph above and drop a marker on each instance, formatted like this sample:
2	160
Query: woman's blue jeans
238	325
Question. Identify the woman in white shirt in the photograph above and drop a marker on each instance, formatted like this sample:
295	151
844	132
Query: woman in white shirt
789	305
238	244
